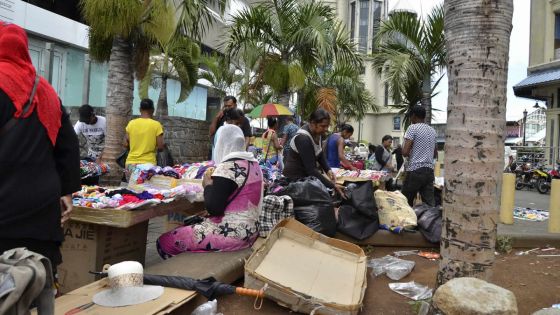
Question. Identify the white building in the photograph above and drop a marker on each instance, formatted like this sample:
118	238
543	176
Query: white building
58	44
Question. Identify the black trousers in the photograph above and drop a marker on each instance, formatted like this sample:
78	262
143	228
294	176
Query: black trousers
420	181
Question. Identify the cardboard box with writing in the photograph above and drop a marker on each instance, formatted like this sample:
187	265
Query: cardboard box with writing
87	247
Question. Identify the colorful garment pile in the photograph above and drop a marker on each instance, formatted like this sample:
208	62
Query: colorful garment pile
168	171
529	214
195	170
365	174
125	199
92	169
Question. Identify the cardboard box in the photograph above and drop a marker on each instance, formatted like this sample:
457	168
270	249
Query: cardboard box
307	271
87	247
127	218
173	302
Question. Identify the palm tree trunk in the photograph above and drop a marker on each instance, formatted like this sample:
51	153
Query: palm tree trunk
162	108
120	87
477	38
426	100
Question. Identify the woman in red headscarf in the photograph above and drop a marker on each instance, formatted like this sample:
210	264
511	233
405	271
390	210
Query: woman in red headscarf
39	153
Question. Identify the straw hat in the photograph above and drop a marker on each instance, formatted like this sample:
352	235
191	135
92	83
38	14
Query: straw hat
126	280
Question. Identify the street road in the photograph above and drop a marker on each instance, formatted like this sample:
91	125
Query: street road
531	199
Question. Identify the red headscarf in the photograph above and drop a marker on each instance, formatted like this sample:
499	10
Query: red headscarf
17	77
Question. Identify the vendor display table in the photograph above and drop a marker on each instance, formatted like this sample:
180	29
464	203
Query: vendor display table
94	237
128	218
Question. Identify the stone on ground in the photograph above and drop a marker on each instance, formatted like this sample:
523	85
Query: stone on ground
466	296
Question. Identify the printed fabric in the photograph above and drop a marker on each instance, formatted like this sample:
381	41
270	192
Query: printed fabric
423	139
236	229
94	135
274	210
290	130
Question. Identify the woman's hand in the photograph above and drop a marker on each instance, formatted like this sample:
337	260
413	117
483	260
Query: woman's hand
341	191
331	176
207	178
66	207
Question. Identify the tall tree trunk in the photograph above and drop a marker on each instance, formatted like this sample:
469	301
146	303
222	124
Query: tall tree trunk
477	37
162	108
426	100
120	87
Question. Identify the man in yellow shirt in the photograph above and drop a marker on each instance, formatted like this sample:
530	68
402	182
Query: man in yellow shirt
144	136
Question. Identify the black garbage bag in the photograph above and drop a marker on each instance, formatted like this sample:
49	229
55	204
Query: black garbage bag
355	224
319	217
360	196
307	191
164	158
429	222
312	204
357	216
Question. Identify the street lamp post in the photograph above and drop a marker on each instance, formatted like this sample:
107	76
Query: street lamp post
524	126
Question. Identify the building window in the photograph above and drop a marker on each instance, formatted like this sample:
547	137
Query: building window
397	123
353	21
377	6
363	26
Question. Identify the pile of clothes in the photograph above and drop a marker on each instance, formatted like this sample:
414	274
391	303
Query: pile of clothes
125	199
529	214
365	174
186	171
91	169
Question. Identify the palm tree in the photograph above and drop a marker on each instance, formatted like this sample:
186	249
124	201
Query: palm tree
409	52
224	76
177	57
339	90
477	38
294	36
122	32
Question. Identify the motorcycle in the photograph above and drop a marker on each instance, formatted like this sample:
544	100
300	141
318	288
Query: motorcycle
524	177
544	182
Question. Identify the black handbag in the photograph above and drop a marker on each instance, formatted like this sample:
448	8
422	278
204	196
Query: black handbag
121	159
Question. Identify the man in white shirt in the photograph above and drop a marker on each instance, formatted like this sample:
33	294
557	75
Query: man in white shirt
93	128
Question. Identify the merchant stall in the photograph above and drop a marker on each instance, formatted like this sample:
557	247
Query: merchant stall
110	224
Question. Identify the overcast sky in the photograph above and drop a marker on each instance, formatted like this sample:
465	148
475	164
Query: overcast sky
518	56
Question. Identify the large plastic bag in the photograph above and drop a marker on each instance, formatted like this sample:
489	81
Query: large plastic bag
319	217
429	222
354	224
307	191
357	217
393	209
412	290
395	268
312	205
360	196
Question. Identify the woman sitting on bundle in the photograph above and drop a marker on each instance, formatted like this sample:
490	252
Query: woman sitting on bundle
232	196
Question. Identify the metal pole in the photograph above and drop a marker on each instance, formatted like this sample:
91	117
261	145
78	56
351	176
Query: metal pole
524	126
48	61
87	73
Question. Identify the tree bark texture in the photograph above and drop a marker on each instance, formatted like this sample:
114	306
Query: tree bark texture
162	108
477	37
120	89
426	100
